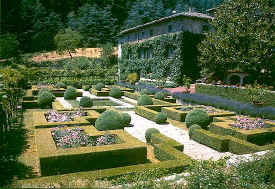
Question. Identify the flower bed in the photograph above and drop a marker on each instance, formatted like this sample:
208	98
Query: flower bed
244	122
53	116
76	137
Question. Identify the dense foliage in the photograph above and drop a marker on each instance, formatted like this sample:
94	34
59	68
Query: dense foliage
109	120
126	119
86	101
243	40
197	116
144	100
160	95
115	92
70	93
45	99
99	86
161	118
149	132
183	60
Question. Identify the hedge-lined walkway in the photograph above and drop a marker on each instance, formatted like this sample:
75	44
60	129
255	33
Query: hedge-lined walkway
191	147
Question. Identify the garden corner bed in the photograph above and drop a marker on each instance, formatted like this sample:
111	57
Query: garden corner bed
69	118
55	160
223	135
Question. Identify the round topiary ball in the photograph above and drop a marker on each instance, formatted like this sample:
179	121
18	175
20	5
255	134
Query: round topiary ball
192	128
99	86
61	85
109	120
197	116
144	100
160	95
77	84
86	101
148	134
70	93
115	92
126	119
45	99
42	90
161	118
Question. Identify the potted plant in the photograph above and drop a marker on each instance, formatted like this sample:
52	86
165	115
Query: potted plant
256	94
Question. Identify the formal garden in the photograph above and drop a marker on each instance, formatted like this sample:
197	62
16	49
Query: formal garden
104	122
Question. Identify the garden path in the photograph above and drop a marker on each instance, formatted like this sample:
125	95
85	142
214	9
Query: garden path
64	103
191	147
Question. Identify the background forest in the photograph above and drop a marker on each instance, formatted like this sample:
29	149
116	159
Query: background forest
36	22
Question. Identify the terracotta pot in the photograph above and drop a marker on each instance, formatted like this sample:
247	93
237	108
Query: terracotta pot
259	104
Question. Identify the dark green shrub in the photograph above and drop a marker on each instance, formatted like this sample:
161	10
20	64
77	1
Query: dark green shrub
160	95
109	120
147	91
144	100
42	90
115	92
61	85
70	93
45	99
77	84
197	116
86	101
87	87
99	86
192	128
126	119
148	134
161	118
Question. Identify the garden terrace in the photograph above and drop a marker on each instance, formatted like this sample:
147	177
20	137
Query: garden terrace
103	92
223	137
40	120
54	160
179	113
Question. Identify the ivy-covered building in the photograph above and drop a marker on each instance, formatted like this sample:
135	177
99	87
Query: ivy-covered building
163	48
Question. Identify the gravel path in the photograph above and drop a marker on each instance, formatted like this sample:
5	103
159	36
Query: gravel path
64	103
191	147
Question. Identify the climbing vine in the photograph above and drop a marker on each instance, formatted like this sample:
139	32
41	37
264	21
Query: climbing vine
163	65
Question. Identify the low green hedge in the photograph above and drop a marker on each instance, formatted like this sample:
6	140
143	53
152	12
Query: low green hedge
158	138
234	93
146	112
99	93
227	143
164	152
30	104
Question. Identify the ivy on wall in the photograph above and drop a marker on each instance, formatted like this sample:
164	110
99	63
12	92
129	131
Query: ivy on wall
183	60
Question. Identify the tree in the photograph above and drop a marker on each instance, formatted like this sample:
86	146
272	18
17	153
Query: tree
243	39
107	55
145	11
67	41
9	46
96	24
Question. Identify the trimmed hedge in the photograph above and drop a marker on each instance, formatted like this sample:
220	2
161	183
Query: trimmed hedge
115	92
148	134
146	113
70	93
86	101
158	138
234	93
161	118
109	120
99	93
144	100
99	86
197	116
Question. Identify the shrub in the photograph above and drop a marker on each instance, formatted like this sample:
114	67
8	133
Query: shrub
99	86
126	119
144	100
133	77
86	101
77	84
148	134
42	90
192	128
160	95
147	91
197	116
161	118
109	120
61	85
115	92
70	93
45	99
86	87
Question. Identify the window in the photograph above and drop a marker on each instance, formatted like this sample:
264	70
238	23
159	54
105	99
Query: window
136	36
145	53
170	28
151	32
143	35
170	52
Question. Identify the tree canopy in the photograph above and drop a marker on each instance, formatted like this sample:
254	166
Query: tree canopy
9	46
243	40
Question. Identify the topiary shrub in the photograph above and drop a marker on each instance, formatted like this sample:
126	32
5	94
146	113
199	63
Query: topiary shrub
86	87
160	95
77	84
144	100
86	101
126	119
109	120
161	118
61	85
115	92
197	116
70	93
99	86
148	134
42	90
45	99
192	128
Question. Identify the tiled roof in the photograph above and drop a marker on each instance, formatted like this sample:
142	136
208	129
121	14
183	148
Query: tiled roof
183	14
